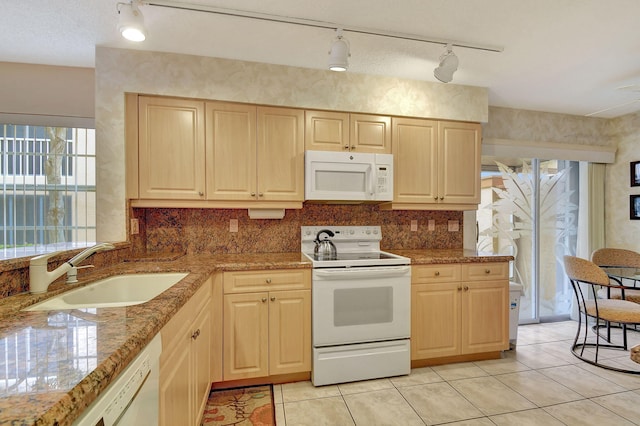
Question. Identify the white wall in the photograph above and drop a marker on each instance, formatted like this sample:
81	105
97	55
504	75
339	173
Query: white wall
46	94
620	231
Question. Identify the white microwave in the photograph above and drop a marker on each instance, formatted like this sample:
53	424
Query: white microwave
348	176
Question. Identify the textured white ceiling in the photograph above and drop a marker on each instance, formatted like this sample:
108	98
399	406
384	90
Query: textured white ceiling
566	56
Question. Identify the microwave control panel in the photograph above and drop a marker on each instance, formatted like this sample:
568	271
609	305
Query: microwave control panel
384	176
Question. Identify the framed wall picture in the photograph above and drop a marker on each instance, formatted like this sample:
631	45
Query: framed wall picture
635	173
634	205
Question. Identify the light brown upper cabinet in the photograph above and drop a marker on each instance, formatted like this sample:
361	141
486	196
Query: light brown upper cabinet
171	147
436	164
256	153
188	153
341	131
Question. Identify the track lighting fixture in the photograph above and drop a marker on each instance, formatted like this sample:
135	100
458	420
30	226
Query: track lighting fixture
448	65
131	21
339	53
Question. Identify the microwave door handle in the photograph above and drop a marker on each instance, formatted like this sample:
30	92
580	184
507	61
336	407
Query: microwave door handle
372	181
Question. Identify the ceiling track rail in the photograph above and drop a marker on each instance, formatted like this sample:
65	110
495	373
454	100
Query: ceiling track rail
317	24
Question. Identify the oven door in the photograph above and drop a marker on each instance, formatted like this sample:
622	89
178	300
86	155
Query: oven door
354	305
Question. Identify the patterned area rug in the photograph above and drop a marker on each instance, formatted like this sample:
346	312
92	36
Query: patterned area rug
240	406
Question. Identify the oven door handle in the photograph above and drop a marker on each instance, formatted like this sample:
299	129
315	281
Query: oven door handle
369	272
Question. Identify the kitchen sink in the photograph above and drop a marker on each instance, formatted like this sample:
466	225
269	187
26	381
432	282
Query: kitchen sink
119	290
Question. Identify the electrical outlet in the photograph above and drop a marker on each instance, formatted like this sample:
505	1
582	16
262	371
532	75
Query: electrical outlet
135	226
454	226
414	225
233	225
431	225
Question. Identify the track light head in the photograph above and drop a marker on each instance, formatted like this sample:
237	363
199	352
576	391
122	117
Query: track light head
448	65
131	21
339	53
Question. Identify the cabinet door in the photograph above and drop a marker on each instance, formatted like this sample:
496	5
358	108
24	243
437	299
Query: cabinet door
171	149
289	332
485	316
414	160
459	160
280	154
246	336
175	394
231	151
370	133
326	131
201	360
435	320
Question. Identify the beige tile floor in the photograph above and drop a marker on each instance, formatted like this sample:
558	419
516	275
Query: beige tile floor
538	383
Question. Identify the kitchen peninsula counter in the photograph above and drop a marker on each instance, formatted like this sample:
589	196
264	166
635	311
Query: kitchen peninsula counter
59	361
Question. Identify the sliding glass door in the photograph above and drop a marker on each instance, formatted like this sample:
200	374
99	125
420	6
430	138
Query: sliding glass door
529	210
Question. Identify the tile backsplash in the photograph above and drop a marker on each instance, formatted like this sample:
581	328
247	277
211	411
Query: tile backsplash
208	230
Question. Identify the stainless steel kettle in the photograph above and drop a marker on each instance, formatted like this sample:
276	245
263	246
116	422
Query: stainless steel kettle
324	249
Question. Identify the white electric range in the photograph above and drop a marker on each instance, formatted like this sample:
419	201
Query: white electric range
361	306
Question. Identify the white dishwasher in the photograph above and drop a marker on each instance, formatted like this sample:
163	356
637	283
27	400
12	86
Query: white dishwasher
132	399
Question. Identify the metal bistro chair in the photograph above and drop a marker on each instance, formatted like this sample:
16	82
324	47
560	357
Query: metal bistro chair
581	271
617	257
622	258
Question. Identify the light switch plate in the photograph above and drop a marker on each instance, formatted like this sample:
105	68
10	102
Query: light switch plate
414	225
233	225
454	226
431	225
135	226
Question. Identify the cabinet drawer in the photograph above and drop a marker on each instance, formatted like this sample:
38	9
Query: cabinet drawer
267	280
485	271
435	273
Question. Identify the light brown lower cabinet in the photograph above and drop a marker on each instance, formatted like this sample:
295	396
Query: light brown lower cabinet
459	309
185	374
267	323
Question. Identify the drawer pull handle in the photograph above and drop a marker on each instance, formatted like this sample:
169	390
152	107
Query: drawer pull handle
487	271
195	334
264	299
268	280
273	298
437	274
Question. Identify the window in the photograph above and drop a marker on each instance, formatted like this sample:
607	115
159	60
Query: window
48	197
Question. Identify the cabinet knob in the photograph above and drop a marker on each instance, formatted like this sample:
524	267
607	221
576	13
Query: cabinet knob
264	299
459	288
435	198
487	271
253	194
200	193
466	288
437	273
260	194
346	147
273	298
195	334
268	280
441	198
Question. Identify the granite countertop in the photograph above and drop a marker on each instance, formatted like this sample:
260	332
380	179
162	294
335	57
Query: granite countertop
61	360
441	256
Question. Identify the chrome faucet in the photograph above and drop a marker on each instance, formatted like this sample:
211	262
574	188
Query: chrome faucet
40	277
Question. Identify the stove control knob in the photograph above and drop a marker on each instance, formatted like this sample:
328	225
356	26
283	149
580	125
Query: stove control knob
351	231
375	232
368	231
